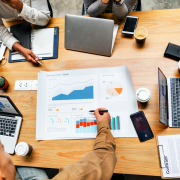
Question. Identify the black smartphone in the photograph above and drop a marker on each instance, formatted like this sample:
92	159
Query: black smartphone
130	25
141	125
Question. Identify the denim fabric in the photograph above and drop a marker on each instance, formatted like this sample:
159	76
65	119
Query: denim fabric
28	173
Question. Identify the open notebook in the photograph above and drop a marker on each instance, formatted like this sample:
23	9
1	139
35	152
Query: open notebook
42	42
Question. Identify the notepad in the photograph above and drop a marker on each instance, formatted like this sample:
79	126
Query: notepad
42	42
169	154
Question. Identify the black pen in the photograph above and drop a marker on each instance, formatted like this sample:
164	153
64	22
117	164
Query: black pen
99	110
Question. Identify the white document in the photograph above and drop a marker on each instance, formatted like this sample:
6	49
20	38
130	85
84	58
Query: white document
2	50
42	43
169	151
64	99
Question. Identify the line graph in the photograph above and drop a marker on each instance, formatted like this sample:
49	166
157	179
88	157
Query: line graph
73	91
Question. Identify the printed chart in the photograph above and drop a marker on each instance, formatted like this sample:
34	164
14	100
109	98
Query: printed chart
85	123
56	123
115	123
113	87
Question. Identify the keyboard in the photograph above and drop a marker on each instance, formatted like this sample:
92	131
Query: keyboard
8	126
175	101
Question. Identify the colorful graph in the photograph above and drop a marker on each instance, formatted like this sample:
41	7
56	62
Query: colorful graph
86	93
86	126
115	123
114	88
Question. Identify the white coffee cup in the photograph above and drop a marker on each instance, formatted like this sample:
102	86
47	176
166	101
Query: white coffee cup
143	95
23	149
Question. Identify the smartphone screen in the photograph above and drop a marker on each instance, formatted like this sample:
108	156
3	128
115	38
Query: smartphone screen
130	24
141	126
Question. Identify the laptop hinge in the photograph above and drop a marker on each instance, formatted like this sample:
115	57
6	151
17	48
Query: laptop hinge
6	114
167	103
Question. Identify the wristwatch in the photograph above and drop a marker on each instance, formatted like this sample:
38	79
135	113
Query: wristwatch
119	3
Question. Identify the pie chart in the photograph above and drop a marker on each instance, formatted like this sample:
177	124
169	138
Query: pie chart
114	88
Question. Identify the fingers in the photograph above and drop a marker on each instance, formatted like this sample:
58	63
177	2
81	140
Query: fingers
97	113
33	57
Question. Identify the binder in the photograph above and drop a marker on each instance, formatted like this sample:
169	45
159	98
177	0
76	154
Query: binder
55	48
164	158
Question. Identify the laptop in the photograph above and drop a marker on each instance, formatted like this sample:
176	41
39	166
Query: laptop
10	123
169	100
91	35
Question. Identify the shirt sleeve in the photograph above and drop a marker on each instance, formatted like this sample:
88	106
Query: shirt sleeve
5	36
94	7
98	164
121	11
38	13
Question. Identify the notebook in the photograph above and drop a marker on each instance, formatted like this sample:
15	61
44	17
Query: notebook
44	44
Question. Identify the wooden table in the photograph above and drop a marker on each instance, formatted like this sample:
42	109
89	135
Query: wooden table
133	157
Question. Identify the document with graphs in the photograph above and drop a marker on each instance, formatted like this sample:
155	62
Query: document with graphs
64	99
169	154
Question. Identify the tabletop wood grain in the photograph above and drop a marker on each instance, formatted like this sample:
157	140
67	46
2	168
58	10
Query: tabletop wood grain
133	157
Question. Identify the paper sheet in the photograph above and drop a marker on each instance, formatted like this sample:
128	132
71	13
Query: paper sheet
170	155
42	43
64	99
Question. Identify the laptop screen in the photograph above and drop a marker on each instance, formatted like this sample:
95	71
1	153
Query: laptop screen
162	81
6	106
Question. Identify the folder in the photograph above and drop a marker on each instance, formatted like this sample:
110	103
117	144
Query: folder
169	156
55	48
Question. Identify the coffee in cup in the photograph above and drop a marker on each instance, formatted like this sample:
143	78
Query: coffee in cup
23	149
140	35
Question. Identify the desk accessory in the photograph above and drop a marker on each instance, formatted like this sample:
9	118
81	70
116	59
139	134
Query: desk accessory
140	35
54	50
23	149
143	95
172	51
3	83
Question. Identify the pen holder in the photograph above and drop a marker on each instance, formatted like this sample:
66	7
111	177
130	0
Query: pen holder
3	83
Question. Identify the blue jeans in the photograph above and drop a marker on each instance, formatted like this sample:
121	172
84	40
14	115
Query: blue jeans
28	173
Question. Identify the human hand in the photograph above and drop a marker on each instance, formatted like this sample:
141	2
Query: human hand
7	169
29	55
102	116
105	1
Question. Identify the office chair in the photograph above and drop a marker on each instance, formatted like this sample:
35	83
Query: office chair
137	7
50	8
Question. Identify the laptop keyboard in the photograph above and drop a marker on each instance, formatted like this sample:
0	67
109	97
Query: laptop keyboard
175	101
8	126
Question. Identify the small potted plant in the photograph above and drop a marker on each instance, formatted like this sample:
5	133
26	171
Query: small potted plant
3	83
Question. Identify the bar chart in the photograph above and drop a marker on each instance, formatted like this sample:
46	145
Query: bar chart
85	125
115	123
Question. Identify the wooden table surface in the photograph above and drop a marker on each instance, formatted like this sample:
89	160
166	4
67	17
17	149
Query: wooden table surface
133	157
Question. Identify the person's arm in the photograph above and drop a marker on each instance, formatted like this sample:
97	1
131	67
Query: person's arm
95	7
121	8
100	162
38	13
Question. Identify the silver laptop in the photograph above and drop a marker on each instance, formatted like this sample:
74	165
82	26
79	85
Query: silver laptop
10	123
92	35
169	100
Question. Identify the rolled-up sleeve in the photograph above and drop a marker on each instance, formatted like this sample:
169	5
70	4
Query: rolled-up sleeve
94	8
34	16
122	11
98	164
5	36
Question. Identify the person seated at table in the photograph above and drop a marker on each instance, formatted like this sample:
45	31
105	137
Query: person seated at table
33	11
98	164
120	8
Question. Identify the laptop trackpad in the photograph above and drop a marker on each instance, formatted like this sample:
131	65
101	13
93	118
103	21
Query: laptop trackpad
8	143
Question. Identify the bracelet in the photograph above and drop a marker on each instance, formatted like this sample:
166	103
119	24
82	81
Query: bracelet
119	3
